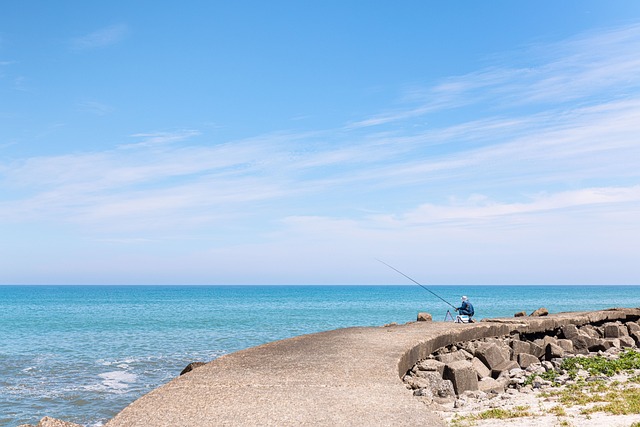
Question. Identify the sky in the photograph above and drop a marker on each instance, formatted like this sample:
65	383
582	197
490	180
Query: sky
297	142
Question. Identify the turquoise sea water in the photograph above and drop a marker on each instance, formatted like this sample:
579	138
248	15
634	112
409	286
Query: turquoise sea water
82	353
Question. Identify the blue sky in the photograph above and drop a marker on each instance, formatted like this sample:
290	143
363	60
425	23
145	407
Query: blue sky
291	142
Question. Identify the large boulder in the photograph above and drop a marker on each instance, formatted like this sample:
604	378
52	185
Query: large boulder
553	351
454	356
429	365
430	383
614	330
536	350
481	368
462	375
525	360
491	355
504	368
566	345
518	347
489	385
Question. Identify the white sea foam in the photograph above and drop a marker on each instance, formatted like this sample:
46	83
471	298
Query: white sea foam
118	380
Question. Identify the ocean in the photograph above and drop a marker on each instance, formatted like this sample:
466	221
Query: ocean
83	353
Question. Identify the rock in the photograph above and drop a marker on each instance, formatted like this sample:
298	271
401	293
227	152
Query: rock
569	331
536	350
424	317
566	345
191	366
525	360
430	365
582	342
423	381
632	327
520	314
614	330
548	366
519	347
540	312
553	351
481	368
627	341
504	368
488	385
490	355
450	357
591	331
462	375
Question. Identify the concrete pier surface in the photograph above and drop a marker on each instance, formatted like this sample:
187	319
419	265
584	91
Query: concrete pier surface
344	377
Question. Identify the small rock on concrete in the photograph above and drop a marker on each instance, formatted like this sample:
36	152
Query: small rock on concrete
540	312
425	317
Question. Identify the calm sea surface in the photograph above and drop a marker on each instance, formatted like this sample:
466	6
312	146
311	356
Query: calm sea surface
82	353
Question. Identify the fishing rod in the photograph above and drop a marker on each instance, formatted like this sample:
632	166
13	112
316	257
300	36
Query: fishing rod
414	281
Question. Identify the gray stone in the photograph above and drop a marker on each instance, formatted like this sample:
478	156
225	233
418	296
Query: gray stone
450	357
632	327
525	360
489	385
520	314
566	345
490	355
540	312
430	365
503	368
481	368
581	343
627	341
614	330
462	375
601	345
591	331
636	336
424	317
553	351
569	331
520	347
536	350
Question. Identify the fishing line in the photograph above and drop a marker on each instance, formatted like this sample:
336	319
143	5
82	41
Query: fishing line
417	283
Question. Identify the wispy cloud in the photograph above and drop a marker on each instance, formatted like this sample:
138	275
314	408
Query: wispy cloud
159	138
100	38
95	107
513	158
554	74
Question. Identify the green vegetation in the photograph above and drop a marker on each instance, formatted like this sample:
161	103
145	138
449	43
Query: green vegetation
618	402
599	365
596	366
495	413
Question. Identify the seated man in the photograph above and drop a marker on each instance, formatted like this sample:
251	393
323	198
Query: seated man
466	308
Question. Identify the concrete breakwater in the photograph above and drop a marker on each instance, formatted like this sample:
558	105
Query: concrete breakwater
349	376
